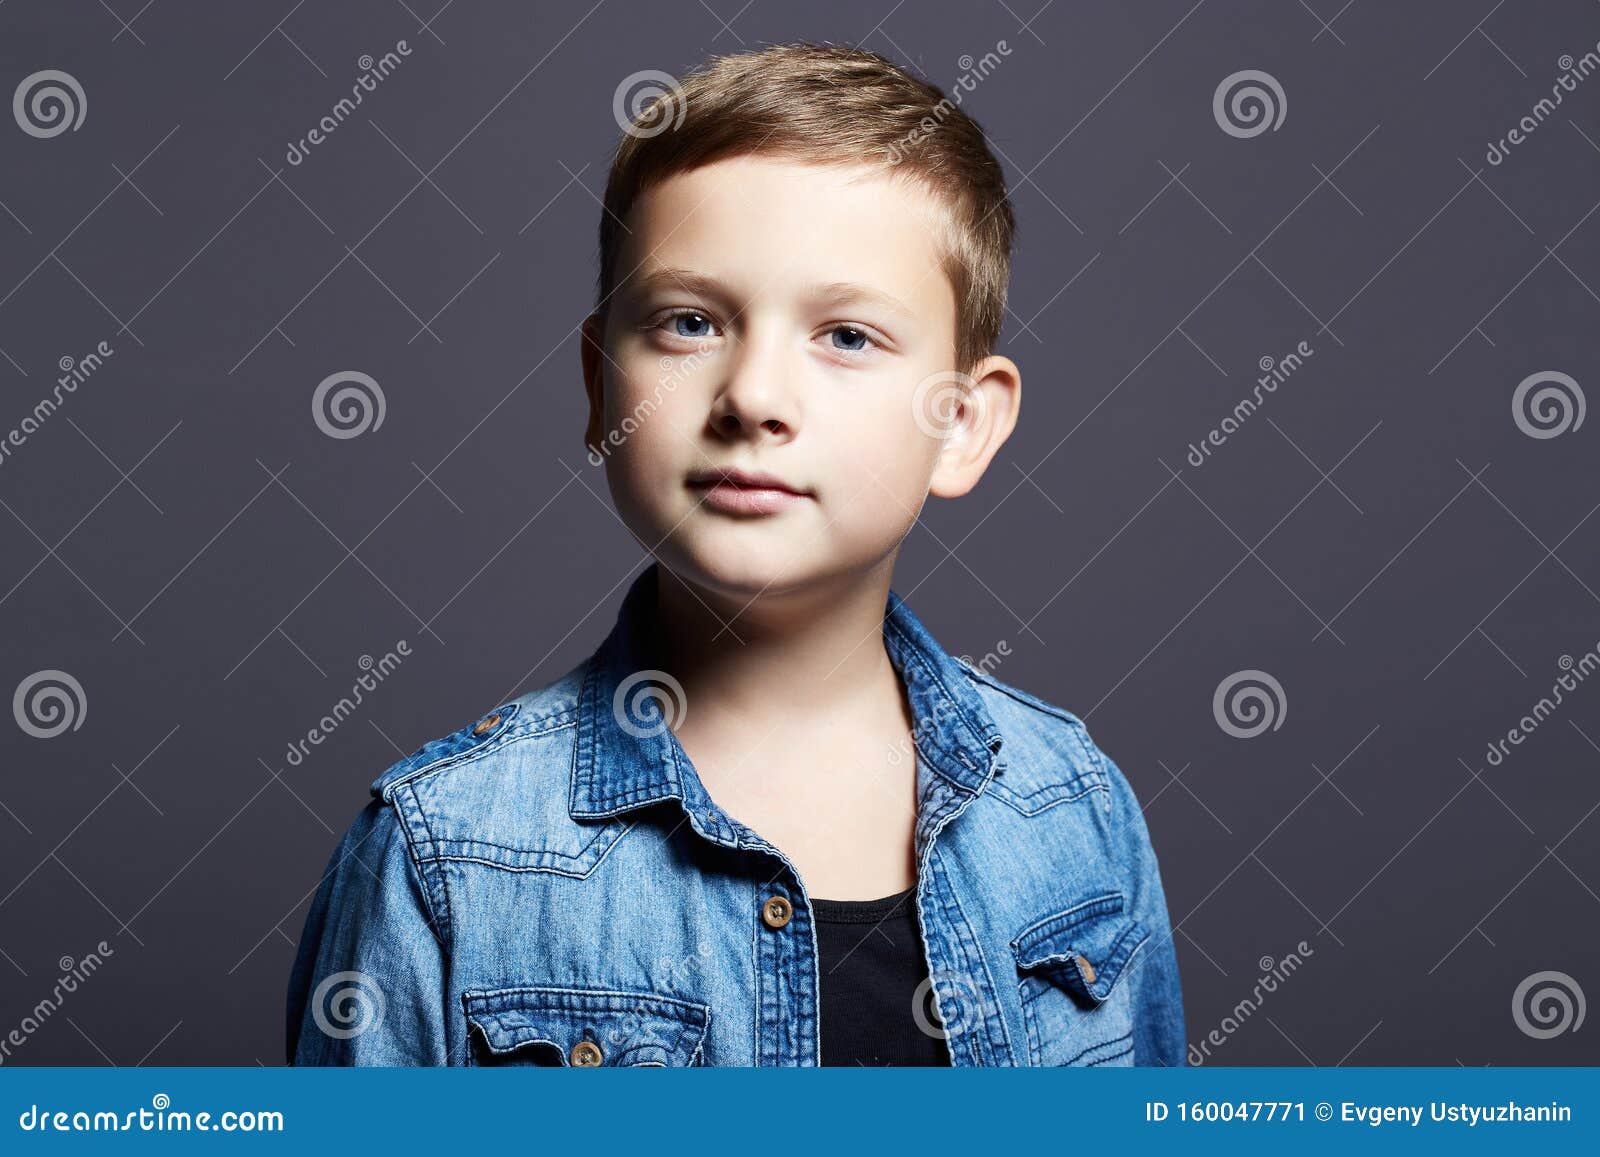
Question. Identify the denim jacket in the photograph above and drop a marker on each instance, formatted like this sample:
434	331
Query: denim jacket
553	885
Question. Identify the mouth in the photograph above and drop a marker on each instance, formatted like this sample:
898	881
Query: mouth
744	491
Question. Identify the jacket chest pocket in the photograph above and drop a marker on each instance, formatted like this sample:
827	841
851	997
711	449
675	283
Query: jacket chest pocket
583	1028
1071	968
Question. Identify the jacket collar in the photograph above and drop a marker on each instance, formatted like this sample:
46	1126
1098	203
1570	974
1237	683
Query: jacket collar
627	756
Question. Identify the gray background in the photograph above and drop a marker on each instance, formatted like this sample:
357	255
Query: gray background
1381	537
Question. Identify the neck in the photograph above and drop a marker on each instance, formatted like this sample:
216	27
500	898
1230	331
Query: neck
779	654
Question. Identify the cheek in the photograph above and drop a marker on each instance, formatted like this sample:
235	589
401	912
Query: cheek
652	412
880	457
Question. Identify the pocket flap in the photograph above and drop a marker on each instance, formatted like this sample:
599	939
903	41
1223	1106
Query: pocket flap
1085	948
627	1028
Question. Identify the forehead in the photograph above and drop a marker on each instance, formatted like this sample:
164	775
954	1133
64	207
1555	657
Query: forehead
761	223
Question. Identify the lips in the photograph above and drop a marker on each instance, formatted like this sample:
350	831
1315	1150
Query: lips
745	491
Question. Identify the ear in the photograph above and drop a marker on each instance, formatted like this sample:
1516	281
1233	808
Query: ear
980	417
594	381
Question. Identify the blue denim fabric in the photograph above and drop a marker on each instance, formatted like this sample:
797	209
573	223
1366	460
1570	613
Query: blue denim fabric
553	885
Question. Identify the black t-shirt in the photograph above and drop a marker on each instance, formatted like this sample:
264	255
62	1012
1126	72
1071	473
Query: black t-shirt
877	1006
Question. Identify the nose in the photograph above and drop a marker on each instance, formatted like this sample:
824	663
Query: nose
757	399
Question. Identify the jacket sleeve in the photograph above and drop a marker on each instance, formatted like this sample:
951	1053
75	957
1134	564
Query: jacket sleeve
368	982
1158	1028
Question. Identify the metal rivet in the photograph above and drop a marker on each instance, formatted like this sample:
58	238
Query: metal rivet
586	1054
485	724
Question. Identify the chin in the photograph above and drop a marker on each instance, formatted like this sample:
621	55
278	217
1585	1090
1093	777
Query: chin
760	565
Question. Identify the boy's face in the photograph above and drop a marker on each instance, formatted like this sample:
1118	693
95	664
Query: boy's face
778	318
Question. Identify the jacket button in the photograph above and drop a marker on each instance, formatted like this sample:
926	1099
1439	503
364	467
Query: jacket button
1087	969
776	912
485	724
586	1054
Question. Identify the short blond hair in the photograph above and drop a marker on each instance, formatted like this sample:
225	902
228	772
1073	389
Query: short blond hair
831	105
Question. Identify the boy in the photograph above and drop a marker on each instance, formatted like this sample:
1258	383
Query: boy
769	821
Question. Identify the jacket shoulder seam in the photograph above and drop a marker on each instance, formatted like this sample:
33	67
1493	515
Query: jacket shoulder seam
1074	725
531	729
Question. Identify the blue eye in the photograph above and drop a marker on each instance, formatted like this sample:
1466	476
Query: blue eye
854	336
690	325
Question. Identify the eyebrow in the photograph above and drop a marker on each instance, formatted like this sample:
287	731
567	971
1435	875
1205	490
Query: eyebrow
841	292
